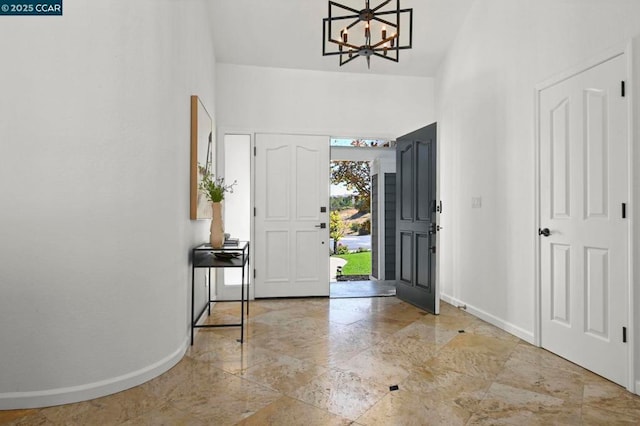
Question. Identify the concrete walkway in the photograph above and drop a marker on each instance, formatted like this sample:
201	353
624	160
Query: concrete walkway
334	262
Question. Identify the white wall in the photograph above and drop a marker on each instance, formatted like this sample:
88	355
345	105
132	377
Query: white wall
314	102
94	169
485	101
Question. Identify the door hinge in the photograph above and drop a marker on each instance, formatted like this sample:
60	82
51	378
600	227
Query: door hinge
624	210
255	151
624	334
439	207
254	211
623	90
254	273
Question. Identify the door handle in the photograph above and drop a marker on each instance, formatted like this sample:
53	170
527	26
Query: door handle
323	225
544	232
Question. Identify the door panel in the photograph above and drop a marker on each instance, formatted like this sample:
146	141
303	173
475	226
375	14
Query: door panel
292	184
406	256
416	219
596	141
307	266
583	181
277	245
597	291
424	195
561	190
423	249
276	183
561	283
406	182
307	192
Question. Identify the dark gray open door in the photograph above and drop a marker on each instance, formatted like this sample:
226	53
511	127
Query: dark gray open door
416	218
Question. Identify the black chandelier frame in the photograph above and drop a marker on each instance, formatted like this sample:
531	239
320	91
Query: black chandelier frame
348	51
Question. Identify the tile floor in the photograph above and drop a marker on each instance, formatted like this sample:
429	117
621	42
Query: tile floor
332	362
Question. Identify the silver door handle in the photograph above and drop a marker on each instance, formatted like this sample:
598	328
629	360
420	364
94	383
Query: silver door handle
323	225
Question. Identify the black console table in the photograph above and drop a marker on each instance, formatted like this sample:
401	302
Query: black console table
229	256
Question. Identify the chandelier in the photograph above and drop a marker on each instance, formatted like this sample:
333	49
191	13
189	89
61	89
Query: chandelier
352	33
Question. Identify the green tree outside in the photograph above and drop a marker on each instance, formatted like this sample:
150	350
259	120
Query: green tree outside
336	228
355	175
341	202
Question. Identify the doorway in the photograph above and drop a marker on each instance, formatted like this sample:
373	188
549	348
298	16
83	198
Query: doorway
359	170
350	220
417	219
290	216
584	183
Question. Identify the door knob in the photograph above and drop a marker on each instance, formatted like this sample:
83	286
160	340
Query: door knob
544	232
323	225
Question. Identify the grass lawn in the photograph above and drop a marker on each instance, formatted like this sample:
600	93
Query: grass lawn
357	263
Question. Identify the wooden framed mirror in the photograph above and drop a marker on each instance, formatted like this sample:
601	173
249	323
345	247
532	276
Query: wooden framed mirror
202	154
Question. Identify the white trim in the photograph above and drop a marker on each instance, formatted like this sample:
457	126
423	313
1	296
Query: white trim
252	249
537	303
637	390
46	398
631	92
611	53
523	334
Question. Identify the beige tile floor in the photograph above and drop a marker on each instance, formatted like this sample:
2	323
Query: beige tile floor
332	362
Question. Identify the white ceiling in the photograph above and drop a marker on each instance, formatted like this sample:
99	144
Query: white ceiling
288	34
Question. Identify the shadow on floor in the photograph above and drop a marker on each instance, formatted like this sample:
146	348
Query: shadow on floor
346	289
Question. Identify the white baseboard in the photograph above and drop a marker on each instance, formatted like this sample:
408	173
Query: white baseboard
37	399
637	389
523	334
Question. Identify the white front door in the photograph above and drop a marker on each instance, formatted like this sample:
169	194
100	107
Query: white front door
584	181
291	189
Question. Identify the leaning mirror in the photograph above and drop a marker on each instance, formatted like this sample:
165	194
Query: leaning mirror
202	151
